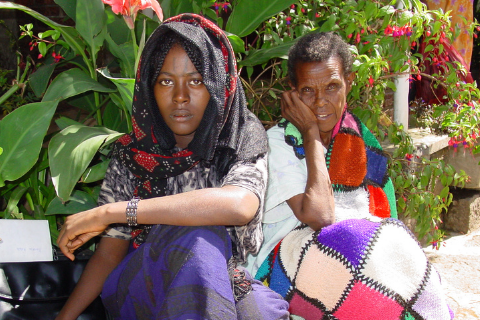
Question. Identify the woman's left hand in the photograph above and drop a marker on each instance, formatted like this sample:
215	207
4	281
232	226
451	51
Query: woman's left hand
79	228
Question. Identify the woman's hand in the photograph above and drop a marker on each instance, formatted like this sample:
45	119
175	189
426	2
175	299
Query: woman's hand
81	227
297	112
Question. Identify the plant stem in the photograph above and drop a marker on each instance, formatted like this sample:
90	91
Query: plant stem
134	42
7	94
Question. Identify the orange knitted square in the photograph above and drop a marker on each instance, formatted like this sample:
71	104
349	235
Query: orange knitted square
348	163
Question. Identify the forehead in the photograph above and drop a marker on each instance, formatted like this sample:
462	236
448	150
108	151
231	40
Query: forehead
330	69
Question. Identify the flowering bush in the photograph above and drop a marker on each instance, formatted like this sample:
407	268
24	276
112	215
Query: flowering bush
386	41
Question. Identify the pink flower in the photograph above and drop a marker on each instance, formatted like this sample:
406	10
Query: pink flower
129	8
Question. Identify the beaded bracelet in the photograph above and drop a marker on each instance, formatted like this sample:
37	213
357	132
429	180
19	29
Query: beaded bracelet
131	211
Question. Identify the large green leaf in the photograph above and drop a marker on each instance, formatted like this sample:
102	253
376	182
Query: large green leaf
90	20
260	56
125	87
69	6
70	83
79	201
247	15
21	137
71	151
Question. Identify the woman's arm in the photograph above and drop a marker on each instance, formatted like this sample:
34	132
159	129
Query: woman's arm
107	256
316	206
228	205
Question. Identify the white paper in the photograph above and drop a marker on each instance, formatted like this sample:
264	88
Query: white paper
25	240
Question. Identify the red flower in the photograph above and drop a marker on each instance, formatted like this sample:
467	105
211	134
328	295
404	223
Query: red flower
370	80
56	57
388	30
129	8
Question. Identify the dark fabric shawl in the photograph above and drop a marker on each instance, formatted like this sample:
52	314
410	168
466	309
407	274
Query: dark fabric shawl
228	132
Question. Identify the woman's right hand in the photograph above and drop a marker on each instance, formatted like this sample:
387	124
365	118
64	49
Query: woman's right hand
81	227
297	112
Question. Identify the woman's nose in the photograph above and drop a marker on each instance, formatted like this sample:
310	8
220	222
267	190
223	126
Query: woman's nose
320	101
181	94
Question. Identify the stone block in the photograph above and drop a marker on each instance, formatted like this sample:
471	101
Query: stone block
463	159
464	213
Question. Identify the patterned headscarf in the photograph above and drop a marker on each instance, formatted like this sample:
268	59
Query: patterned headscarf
228	131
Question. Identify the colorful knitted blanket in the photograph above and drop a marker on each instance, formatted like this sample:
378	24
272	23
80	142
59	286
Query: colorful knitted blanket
355	269
361	267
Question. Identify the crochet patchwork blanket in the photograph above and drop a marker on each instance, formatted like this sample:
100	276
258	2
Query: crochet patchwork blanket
355	269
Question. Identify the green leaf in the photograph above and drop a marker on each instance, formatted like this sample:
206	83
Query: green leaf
79	201
95	173
70	83
116	116
260	56
12	206
237	43
71	151
329	25
124	85
42	48
90	20
69	6
21	137
444	193
125	54
64	122
247	15
40	79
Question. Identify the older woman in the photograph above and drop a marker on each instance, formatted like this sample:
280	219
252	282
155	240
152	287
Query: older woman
330	247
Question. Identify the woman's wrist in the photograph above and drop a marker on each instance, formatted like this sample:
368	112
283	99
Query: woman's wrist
114	212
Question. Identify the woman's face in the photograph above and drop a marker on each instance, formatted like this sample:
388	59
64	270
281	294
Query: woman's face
323	87
181	95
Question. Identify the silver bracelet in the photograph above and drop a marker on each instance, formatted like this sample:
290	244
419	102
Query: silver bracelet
131	211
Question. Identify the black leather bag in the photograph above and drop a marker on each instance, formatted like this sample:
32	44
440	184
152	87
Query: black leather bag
38	290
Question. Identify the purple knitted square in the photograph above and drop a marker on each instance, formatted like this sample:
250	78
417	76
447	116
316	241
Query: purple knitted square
349	237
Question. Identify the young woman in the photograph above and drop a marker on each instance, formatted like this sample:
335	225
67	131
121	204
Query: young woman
197	160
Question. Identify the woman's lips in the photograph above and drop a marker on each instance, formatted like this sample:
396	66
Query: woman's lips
322	116
181	115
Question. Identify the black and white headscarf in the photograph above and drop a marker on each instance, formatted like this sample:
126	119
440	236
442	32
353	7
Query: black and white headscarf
228	132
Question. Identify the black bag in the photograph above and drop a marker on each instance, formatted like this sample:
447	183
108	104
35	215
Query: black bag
38	290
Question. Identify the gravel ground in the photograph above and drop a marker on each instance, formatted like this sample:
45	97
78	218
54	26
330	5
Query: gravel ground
458	263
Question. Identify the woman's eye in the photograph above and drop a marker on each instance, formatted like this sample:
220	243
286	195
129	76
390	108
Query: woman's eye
332	86
196	82
307	90
165	82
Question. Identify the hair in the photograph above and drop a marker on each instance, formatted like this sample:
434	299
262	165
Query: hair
172	39
319	47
